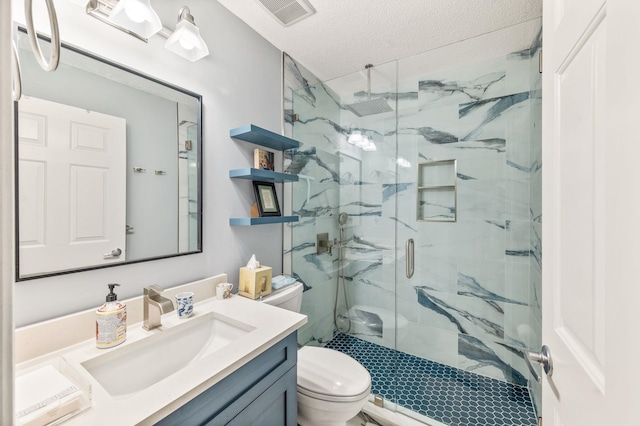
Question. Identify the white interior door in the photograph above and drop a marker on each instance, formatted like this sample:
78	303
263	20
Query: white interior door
72	177
591	211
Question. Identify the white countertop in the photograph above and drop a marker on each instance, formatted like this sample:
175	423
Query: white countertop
270	325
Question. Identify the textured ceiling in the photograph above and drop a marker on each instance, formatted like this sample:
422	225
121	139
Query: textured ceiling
344	35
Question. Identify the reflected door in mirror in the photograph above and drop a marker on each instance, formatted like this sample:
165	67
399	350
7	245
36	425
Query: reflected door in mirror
72	165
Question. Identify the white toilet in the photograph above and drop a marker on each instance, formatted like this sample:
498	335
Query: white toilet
332	386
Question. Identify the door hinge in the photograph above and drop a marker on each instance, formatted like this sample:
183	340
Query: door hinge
540	62
294	117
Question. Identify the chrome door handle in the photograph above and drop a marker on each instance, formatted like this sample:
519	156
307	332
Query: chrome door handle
409	249
544	358
113	253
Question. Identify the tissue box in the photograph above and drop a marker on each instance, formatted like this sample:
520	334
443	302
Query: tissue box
254	283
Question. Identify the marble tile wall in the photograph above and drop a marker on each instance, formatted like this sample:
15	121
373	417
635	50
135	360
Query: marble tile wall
474	300
314	198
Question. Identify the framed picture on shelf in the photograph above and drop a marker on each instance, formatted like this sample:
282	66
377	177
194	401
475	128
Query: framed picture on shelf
266	198
263	159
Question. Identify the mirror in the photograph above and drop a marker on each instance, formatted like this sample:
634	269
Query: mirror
108	169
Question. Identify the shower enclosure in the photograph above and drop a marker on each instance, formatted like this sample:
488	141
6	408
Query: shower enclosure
433	281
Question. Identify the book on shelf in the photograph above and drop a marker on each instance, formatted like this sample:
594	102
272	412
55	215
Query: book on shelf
263	159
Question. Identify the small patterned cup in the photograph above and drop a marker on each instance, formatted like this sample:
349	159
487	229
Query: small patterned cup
223	291
184	304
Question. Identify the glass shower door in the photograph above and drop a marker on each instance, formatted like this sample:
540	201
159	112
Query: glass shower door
466	234
348	163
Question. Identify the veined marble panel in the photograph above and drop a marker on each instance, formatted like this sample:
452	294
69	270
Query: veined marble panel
484	279
471	83
480	239
517	196
518	134
435	126
295	77
517	67
481	199
536	245
468	315
437	272
431	343
489	359
481	120
517	286
518	246
518	329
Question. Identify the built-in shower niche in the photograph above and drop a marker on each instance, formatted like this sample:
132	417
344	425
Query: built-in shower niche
436	191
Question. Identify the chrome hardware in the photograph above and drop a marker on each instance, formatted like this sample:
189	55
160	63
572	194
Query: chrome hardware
153	306
129	228
17	76
116	252
139	170
409	249
188	145
323	244
54	57
544	358
540	62
160	172
378	401
100	10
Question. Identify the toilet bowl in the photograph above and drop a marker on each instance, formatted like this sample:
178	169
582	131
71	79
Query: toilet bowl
332	386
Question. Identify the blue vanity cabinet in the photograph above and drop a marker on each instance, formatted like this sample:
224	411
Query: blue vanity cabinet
262	392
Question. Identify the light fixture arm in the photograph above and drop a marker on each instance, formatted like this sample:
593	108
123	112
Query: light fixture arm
185	14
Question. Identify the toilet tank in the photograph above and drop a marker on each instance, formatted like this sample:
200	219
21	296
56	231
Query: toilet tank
289	297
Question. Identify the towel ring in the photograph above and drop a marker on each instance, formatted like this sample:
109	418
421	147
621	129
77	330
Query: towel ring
17	78
54	58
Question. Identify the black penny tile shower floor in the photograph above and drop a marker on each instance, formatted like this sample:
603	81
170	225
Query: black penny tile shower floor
446	394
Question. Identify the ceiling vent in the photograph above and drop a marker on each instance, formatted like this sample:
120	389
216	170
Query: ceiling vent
288	12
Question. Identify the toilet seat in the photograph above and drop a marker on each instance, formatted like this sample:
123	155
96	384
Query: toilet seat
329	375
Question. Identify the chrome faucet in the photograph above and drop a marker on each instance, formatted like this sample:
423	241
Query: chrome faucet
153	306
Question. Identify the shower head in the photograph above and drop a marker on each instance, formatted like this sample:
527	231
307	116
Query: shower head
342	218
370	106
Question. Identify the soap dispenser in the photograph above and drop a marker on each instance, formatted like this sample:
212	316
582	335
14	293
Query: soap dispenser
111	321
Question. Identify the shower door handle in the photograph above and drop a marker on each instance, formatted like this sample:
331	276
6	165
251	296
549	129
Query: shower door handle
409	249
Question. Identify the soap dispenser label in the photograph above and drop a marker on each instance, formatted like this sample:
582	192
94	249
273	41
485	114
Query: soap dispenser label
111	328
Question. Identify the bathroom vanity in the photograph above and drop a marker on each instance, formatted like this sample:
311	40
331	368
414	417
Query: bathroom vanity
261	392
233	361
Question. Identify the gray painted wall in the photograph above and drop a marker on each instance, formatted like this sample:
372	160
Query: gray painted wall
240	82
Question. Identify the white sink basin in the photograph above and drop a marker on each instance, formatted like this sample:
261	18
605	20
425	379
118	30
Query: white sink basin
135	367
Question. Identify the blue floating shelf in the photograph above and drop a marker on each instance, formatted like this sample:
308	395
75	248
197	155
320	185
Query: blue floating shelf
262	175
260	136
250	221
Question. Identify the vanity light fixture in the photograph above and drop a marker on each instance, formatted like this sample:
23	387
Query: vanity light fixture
137	16
186	40
355	138
369	146
362	141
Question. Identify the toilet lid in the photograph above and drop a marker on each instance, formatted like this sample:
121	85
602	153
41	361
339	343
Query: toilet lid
327	374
